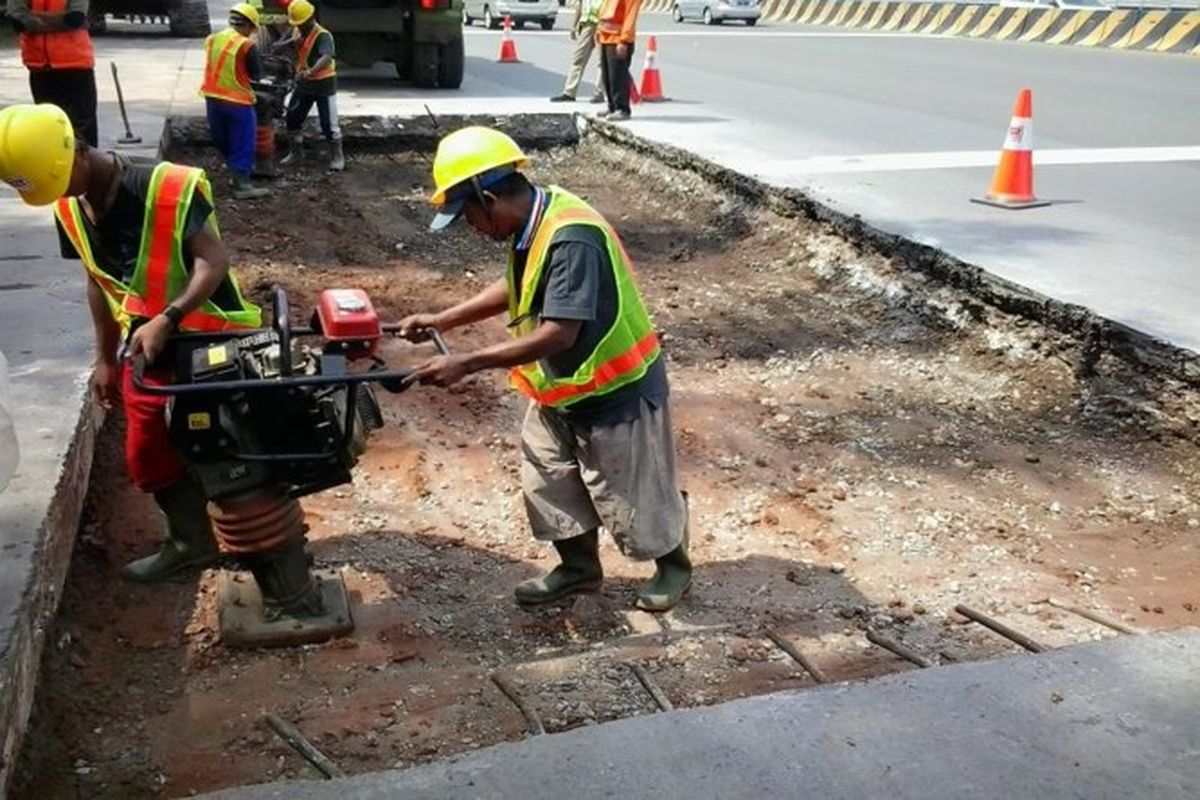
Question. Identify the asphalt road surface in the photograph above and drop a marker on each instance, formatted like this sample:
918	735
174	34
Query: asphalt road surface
905	129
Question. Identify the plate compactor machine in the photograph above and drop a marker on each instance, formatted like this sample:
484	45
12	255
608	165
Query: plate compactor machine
263	418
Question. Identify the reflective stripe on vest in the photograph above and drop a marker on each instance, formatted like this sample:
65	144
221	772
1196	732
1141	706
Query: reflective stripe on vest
160	266
329	70
225	76
70	216
161	272
627	349
57	49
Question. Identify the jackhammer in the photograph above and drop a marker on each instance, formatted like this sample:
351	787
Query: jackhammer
263	418
270	104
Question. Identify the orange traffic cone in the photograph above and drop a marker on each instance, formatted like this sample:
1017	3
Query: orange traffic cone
1012	183
635	96
652	91
508	48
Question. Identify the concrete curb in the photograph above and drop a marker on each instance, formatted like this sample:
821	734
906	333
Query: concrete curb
25	632
1156	29
1099	335
379	134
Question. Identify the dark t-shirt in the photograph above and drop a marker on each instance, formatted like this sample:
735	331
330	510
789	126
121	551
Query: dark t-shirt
578	284
117	240
253	61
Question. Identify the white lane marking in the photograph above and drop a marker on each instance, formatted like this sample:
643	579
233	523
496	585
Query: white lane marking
952	159
757	32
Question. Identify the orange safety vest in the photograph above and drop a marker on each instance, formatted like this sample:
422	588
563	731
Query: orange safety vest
225	76
57	49
612	21
161	273
330	69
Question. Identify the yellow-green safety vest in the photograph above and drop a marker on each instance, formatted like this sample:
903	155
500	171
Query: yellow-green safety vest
591	12
626	351
160	274
225	75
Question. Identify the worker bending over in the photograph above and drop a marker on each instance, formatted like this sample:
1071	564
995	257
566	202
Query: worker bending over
155	264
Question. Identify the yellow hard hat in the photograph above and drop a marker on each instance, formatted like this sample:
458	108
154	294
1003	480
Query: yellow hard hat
484	154
37	151
300	11
246	10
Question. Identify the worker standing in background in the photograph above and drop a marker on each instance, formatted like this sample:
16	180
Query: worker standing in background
57	50
155	264
231	62
583	33
316	84
596	445
616	33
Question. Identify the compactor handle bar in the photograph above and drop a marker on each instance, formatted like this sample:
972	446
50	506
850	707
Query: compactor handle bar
282	327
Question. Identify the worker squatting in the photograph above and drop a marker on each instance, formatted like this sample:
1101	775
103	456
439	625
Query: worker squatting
597	445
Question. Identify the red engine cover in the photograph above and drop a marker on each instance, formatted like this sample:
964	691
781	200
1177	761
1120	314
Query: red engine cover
349	322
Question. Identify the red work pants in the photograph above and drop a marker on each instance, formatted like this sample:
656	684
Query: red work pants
152	461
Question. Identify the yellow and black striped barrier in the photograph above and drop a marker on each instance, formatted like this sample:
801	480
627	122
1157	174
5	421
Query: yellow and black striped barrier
1161	30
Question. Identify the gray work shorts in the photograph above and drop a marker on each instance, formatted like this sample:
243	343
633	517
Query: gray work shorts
576	478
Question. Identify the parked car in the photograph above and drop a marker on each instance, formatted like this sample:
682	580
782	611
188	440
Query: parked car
493	12
714	12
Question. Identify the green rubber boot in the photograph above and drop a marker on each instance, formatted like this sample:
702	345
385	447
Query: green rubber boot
189	541
672	579
579	572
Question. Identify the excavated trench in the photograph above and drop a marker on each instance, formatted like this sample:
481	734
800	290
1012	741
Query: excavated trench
868	444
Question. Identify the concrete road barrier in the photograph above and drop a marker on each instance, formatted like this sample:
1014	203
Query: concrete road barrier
1157	29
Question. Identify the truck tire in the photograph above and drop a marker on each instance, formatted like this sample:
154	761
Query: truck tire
548	24
189	19
425	65
451	64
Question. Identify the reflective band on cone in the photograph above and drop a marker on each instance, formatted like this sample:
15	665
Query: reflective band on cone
1012	183
652	91
508	48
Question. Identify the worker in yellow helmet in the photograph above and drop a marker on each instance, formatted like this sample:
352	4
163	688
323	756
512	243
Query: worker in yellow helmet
316	84
597	445
155	264
231	63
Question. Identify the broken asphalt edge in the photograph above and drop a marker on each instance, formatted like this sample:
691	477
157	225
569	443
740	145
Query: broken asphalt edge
1097	334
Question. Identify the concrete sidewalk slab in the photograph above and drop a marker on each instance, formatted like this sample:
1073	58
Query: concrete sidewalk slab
1109	720
46	334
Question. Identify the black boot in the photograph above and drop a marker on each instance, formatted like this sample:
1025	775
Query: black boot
580	571
673	577
189	541
244	188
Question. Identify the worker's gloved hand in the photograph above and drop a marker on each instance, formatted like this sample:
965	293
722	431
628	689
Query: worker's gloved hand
151	338
106	383
414	327
442	371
